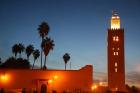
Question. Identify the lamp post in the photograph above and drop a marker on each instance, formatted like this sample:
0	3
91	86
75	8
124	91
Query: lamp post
94	88
101	86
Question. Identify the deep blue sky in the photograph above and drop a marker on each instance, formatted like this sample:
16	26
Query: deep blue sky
78	27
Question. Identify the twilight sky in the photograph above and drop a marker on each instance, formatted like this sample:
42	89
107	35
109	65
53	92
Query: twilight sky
78	27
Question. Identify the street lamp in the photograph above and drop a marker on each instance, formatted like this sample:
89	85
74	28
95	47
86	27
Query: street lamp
4	77
93	88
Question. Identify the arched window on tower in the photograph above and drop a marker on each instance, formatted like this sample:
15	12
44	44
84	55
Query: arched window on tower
115	53
115	38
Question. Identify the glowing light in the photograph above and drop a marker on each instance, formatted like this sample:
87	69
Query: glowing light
118	48
115	38
100	83
115	22
4	78
115	53
116	70
116	64
94	87
50	81
55	77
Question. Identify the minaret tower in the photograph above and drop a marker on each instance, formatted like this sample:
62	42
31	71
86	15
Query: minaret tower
116	58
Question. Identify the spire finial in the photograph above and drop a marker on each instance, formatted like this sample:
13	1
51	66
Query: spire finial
114	13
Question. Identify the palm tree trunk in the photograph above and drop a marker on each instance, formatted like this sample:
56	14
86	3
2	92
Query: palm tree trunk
65	66
33	64
41	53
41	57
27	58
70	65
45	62
15	55
19	55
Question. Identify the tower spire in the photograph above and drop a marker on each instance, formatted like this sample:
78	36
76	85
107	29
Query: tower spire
116	56
115	20
114	13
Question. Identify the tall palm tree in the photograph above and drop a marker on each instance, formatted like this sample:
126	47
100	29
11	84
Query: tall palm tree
0	61
48	45
29	51
43	31
36	54
15	49
66	58
21	49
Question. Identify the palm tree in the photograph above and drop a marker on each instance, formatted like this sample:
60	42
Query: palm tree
21	49
48	45
36	54
15	49
66	58
29	51
43	31
0	61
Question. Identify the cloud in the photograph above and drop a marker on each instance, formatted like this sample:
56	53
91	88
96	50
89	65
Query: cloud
137	68
133	78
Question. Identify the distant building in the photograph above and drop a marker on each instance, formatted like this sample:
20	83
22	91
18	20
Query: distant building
116	58
70	81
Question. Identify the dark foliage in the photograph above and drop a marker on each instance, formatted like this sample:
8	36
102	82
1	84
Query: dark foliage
36	54
13	63
134	89
66	58
29	50
43	31
47	45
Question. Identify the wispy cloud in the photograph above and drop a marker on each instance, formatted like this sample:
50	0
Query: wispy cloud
137	68
133	78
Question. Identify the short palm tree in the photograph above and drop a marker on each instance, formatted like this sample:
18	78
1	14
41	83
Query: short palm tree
36	55
66	58
48	45
43	31
29	51
15	49
21	49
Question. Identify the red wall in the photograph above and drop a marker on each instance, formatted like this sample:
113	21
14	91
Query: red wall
68	80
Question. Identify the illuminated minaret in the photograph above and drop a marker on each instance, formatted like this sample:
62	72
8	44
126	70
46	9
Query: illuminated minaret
116	58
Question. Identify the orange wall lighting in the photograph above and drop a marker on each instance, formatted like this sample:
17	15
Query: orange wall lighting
50	81
55	77
4	77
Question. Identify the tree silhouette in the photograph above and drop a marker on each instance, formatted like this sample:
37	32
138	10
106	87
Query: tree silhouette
134	89
29	51
15	63
47	45
15	49
66	58
43	31
21	49
36	54
0	61
128	88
